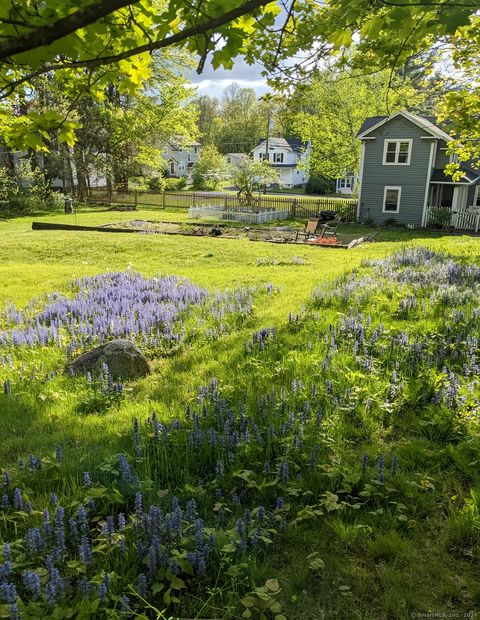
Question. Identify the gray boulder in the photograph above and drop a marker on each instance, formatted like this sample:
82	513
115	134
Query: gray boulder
123	358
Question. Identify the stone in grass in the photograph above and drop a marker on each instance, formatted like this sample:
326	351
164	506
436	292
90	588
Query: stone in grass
123	358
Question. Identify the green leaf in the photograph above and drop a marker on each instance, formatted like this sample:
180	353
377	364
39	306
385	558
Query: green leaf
272	585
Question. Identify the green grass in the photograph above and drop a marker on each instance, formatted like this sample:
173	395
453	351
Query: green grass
374	565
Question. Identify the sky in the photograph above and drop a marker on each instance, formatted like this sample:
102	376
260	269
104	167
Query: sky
213	82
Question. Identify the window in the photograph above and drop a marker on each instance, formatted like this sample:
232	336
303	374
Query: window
397	152
278	158
195	149
391	199
262	156
189	156
348	182
342	182
181	166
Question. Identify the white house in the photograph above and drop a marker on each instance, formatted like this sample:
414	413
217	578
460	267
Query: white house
287	156
181	157
346	184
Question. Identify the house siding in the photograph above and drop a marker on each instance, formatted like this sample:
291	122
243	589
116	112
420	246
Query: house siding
412	179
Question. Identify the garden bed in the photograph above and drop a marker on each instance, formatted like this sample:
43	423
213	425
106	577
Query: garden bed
281	235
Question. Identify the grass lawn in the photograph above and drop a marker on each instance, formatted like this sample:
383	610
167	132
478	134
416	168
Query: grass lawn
341	546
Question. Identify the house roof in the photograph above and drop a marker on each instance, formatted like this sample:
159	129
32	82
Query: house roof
292	142
469	176
179	143
427	123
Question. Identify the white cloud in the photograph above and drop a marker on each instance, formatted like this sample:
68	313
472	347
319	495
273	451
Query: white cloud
215	88
214	81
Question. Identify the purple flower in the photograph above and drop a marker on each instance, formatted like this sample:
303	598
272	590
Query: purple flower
85	551
103	588
55	587
136	437
17	499
87	482
83	519
142	585
32	583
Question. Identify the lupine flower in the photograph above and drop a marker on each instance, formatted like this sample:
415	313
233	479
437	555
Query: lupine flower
364	461
82	519
32	583
138	503
33	541
8	592
121	522
54	588
136	437
58	453
381	468
87	482
103	588
283	472
126	471
7	387
142	585
85	551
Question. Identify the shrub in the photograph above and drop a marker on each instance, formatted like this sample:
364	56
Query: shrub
319	184
157	184
210	170
26	190
175	184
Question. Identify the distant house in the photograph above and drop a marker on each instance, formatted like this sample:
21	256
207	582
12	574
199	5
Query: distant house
235	159
286	155
346	184
402	174
180	157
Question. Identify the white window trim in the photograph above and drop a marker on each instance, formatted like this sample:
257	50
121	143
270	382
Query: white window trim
397	150
386	188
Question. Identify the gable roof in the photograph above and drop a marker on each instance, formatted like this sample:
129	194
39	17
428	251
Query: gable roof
292	142
429	124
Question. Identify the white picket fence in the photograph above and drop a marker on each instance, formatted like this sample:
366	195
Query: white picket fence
440	217
218	212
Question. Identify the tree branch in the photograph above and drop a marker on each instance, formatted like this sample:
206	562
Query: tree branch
186	33
44	35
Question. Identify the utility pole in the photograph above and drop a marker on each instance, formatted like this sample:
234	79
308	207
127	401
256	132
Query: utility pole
267	155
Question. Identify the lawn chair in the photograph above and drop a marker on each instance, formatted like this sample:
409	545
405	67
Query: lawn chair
331	230
310	229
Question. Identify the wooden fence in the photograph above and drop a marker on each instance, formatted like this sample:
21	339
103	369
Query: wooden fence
299	207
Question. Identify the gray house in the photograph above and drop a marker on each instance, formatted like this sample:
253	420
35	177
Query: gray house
181	157
402	176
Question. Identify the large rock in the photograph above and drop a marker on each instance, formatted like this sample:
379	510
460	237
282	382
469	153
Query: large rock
123	358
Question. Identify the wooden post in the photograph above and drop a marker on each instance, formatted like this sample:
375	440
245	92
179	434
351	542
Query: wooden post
136	199
293	212
163	199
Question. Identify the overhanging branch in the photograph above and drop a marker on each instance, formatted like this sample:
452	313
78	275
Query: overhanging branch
201	28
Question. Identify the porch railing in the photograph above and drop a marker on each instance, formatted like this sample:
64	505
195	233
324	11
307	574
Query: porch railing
443	217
